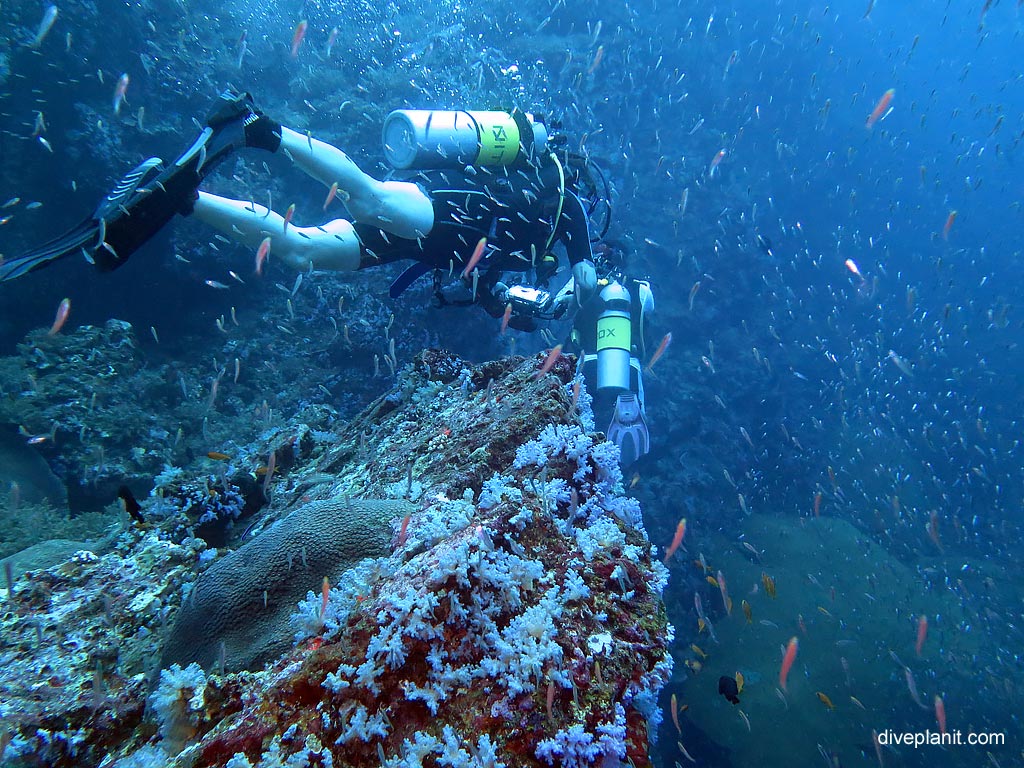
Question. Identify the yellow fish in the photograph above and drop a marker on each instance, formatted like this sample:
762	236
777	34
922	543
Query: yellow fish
696	649
739	683
217	456
769	584
701	625
748	612
712	581
825	700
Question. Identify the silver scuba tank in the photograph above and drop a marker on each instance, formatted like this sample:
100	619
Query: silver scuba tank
427	138
614	339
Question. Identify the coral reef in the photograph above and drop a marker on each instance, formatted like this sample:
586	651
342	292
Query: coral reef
243	601
513	616
82	391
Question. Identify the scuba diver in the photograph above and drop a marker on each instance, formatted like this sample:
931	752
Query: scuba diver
609	334
481	187
485	195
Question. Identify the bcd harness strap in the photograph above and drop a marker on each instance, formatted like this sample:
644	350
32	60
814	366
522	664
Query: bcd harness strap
561	202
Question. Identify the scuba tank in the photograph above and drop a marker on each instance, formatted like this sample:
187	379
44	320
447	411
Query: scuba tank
614	370
426	139
614	338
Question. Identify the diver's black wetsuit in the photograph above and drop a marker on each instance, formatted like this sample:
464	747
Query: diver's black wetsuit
515	209
521	211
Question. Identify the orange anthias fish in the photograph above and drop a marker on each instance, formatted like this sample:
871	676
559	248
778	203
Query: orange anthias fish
879	111
659	351
288	217
693	293
478	253
549	361
325	591
119	92
716	161
300	32
403	531
331	194
948	225
940	713
922	632
269	475
505	318
261	255
787	661
63	310
726	600
676	541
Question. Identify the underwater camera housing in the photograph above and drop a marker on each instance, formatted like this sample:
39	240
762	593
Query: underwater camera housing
526	300
424	139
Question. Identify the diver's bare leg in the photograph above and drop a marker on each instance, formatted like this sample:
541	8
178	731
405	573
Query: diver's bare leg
333	246
400	208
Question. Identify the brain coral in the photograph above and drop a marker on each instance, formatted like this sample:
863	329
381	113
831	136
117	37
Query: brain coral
245	598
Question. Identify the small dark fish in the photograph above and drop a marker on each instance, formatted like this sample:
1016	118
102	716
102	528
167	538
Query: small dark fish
727	687
131	506
765	245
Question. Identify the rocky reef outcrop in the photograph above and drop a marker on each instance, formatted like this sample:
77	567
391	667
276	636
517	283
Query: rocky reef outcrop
513	618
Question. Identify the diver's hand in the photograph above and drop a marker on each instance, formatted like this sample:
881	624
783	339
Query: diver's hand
585	281
560	303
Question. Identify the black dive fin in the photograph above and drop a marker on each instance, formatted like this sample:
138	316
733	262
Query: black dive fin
89	238
82	239
120	197
151	194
